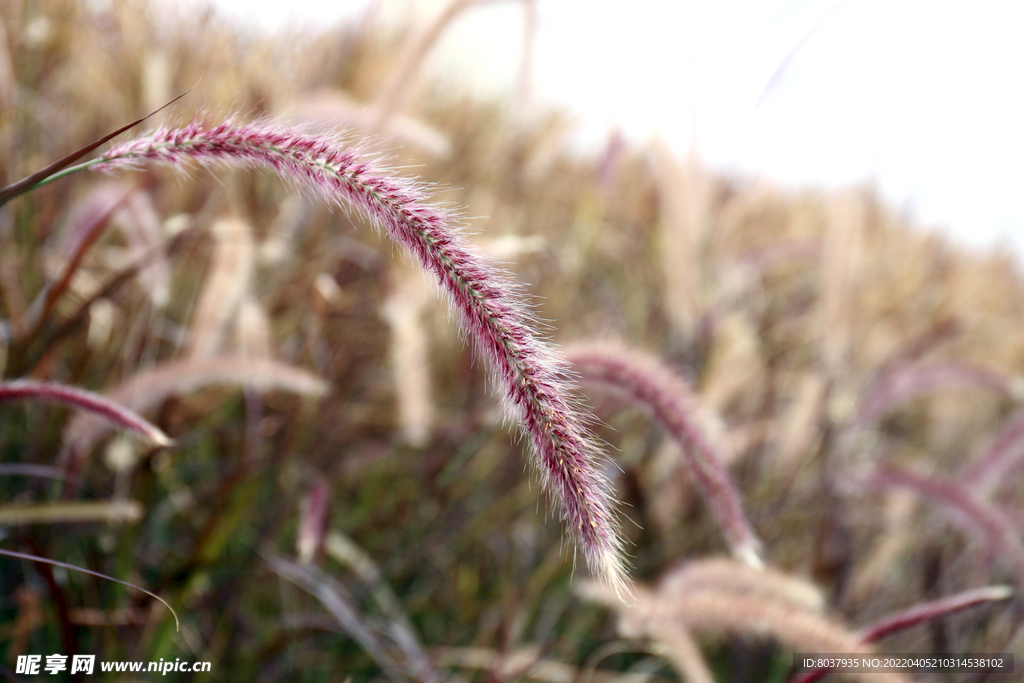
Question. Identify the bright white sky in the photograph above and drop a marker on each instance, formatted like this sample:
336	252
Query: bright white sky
923	98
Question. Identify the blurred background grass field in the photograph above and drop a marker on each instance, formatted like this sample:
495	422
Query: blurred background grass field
783	309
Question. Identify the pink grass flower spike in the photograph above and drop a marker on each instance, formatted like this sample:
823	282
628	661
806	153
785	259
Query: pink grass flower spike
110	411
535	382
647	381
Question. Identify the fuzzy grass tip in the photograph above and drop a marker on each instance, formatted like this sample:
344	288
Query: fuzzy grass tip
534	381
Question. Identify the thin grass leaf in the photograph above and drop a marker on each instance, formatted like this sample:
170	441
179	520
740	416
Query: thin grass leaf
336	600
59	168
65	565
17	469
342	549
29	325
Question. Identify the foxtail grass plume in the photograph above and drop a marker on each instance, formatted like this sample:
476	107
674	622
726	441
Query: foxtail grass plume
718	609
963	506
110	412
840	266
998	461
226	286
720	573
685	194
410	356
934	609
533	379
650	383
904	382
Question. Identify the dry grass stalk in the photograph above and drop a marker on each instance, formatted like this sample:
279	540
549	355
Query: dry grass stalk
916	348
735	374
86	228
12	291
396	91
148	389
410	355
252	330
650	383
797	431
330	108
225	288
340	604
684	198
47	561
343	550
8	84
840	267
157	79
895	539
665	475
141	226
103	317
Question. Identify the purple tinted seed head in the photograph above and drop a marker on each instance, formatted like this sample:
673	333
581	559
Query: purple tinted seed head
111	411
647	381
535	382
